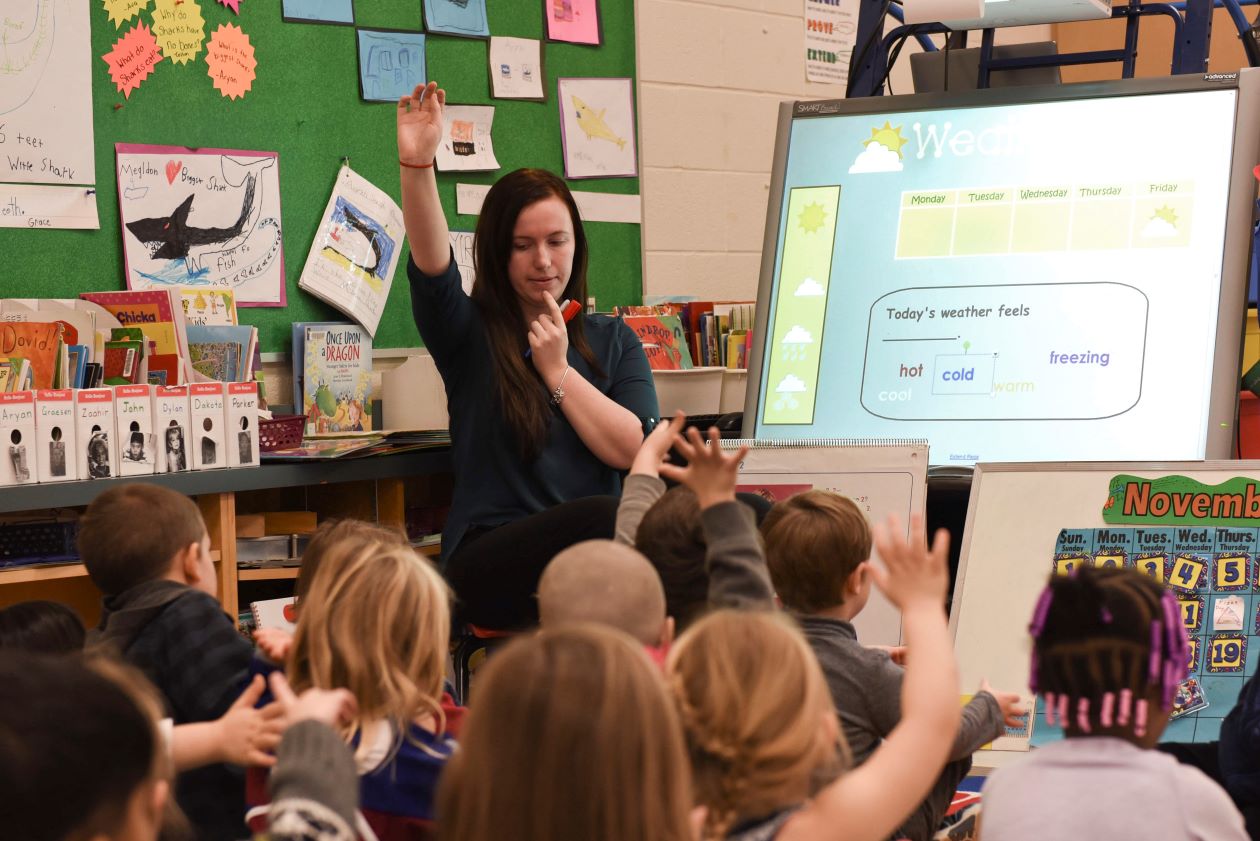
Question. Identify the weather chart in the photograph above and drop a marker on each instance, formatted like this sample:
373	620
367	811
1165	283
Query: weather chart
994	276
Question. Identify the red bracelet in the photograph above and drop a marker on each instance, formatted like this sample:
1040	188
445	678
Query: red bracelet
429	165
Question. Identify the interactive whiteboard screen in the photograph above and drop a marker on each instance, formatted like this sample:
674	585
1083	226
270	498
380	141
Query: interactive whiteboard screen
1053	277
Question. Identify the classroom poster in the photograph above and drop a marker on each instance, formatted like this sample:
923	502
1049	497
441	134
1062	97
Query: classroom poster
202	217
352	259
462	248
46	136
830	33
466	139
597	127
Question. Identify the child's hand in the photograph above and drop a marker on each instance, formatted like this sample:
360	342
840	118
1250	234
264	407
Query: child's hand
1009	703
656	446
915	575
333	707
247	735
710	472
275	643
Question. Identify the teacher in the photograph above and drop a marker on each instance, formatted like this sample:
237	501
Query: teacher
543	416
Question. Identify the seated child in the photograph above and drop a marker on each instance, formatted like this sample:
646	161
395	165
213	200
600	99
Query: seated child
606	583
95	715
818	546
767	754
701	539
1109	649
376	621
572	736
41	627
146	548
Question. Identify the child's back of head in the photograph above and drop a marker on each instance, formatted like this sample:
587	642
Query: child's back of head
1109	649
604	583
572	736
376	621
757	716
671	538
130	535
815	542
41	627
78	754
338	533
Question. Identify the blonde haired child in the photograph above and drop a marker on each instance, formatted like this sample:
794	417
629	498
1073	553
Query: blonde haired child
1109	650
376	621
762	731
572	736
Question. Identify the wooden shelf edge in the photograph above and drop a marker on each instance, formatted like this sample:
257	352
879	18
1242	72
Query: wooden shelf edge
266	574
23	575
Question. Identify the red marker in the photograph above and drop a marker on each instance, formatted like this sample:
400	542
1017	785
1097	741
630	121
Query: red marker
568	309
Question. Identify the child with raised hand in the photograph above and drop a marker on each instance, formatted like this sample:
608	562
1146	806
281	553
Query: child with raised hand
818	549
1109	650
377	621
762	731
701	539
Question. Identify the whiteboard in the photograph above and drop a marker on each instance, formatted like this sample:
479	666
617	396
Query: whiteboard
882	477
1014	517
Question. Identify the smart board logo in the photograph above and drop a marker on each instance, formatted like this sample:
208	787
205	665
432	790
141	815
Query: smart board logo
881	152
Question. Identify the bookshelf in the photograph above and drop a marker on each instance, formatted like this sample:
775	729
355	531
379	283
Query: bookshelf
371	488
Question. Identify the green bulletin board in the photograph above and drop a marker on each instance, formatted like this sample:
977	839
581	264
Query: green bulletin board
305	105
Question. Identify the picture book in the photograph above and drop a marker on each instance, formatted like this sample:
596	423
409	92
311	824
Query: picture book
663	340
298	356
157	312
208	307
337	378
222	352
37	342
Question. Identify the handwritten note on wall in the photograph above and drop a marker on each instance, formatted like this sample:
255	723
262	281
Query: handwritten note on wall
179	28
231	62
132	58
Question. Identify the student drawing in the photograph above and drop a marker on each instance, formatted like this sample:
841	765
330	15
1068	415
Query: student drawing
597	127
98	454
25	52
592	123
17	454
390	64
245	443
358	242
202	218
208	448
56	454
176	461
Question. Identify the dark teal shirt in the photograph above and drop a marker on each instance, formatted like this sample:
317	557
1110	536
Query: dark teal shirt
493	483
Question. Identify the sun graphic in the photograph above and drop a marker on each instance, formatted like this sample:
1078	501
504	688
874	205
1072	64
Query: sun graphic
812	217
888	137
1167	214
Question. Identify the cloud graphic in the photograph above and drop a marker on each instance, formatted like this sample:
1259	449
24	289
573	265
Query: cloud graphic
876	157
1158	228
798	335
810	288
791	383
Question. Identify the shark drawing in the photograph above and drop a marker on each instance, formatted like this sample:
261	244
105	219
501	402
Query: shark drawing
592	123
355	236
173	238
26	46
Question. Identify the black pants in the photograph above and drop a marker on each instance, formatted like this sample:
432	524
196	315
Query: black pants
495	572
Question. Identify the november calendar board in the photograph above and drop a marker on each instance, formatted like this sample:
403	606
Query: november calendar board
1193	526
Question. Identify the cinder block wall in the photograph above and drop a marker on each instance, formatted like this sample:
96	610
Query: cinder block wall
710	76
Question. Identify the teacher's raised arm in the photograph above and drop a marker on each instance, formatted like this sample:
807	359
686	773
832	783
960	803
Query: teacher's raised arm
543	414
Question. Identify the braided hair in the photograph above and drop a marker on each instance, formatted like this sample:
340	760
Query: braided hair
1104	642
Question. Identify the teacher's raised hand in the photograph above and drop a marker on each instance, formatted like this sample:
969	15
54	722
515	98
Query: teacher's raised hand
420	125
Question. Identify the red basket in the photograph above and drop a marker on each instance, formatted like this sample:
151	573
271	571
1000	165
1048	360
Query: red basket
282	432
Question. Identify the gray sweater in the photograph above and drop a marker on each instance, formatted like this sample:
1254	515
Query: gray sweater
865	685
734	559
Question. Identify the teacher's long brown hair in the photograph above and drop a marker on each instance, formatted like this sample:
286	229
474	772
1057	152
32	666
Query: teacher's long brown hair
523	398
